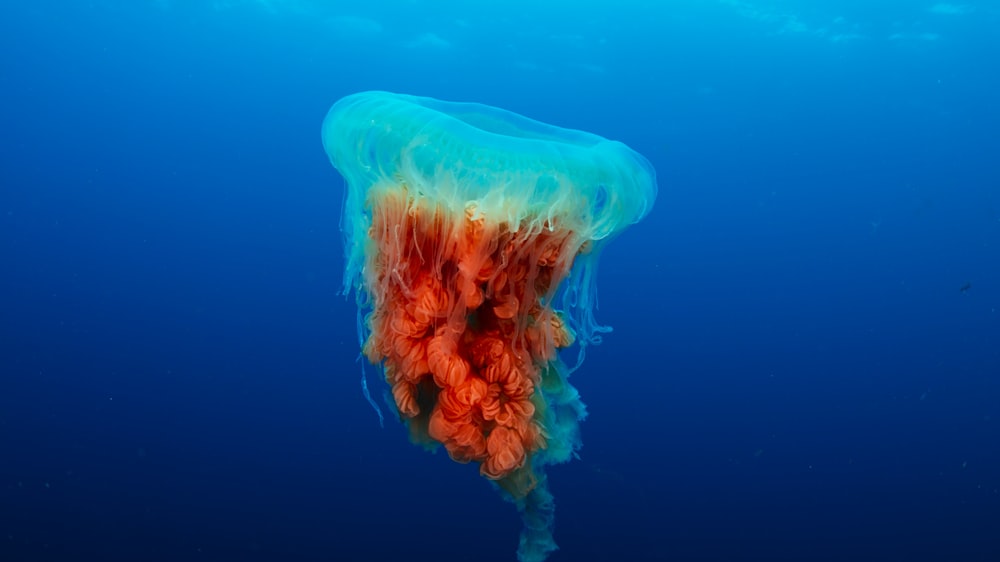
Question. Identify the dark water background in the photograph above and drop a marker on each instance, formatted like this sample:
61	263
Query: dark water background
806	356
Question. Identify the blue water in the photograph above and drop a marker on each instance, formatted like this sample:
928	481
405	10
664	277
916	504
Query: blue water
806	356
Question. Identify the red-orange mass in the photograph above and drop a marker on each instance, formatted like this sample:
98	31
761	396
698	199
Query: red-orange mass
463	327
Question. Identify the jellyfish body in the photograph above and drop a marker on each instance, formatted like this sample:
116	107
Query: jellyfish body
472	237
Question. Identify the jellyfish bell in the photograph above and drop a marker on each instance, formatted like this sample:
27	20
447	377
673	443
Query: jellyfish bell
465	226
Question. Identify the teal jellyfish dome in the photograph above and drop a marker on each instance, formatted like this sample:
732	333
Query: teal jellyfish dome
513	165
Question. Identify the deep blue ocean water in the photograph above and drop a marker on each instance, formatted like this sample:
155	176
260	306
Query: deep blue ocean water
806	356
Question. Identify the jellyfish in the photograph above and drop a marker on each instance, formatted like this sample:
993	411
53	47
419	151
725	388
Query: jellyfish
472	241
